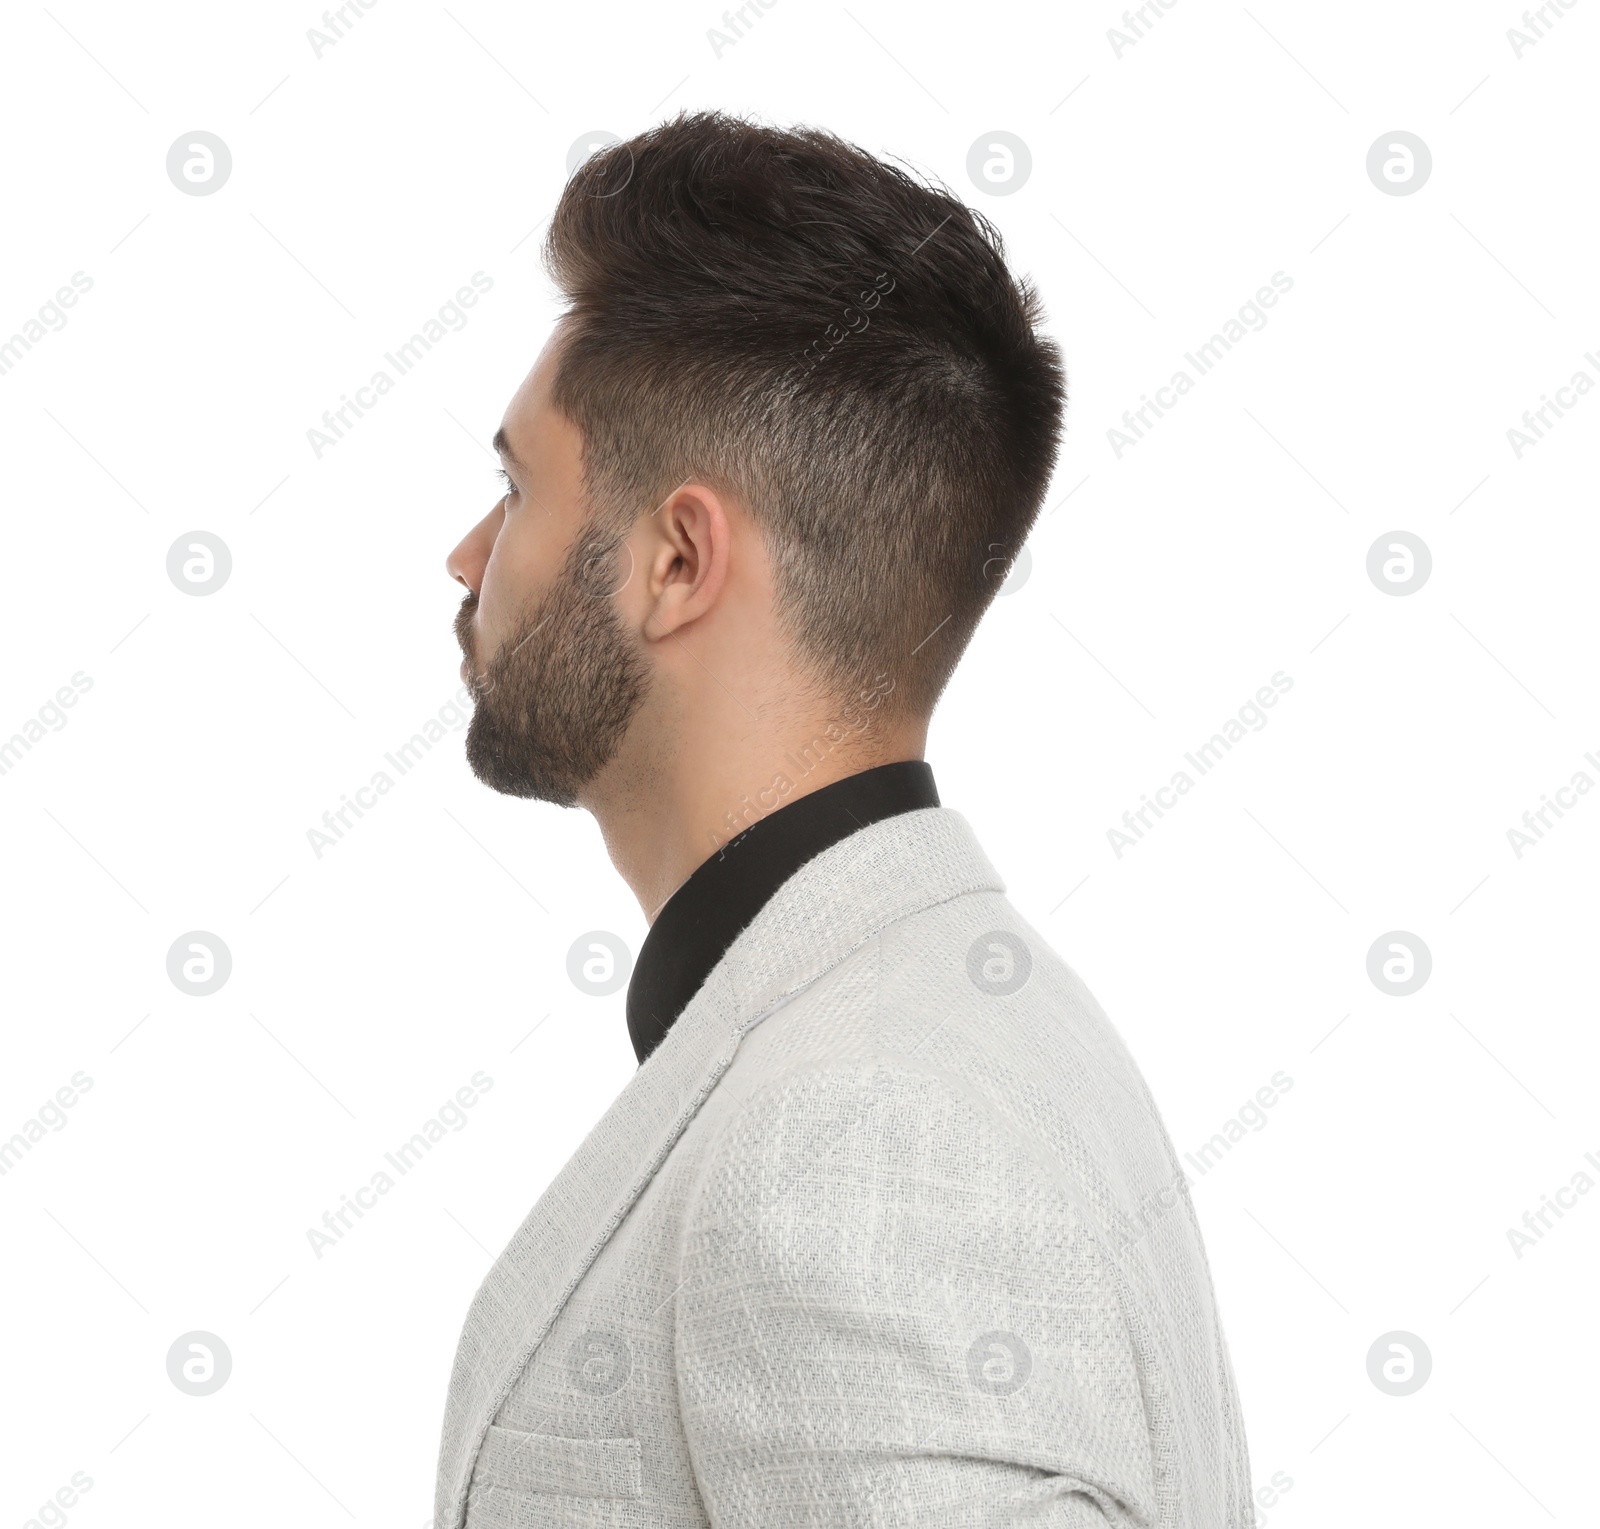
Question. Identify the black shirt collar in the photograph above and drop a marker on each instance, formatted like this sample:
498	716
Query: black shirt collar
706	914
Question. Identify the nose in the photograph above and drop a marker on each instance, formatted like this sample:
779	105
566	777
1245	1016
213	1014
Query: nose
471	556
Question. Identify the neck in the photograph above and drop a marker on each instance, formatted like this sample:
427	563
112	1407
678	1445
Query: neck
669	802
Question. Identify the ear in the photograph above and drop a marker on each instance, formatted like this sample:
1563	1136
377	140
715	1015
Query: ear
687	544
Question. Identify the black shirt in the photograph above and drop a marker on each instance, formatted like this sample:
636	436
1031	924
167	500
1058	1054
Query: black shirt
707	913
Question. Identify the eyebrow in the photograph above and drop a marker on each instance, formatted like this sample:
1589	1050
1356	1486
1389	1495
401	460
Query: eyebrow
502	445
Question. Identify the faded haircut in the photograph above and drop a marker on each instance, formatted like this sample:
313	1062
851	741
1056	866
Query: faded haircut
836	345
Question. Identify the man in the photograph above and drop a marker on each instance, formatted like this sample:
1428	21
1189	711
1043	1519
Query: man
886	1228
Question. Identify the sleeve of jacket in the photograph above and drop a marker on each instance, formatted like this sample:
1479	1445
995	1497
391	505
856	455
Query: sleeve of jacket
892	1313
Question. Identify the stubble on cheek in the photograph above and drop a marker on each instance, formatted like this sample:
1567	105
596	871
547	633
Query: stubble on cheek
557	698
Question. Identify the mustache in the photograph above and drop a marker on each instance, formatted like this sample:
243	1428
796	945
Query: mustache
588	573
463	623
482	684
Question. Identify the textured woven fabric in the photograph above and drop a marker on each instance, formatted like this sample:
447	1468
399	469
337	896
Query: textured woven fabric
887	1231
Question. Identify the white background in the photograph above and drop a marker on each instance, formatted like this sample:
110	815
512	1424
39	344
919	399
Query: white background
1167	586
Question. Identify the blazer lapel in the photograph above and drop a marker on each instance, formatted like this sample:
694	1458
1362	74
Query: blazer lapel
553	1248
825	910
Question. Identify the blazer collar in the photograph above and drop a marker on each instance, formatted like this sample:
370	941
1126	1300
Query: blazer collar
832	904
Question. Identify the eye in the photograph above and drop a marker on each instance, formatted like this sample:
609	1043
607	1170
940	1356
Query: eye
508	481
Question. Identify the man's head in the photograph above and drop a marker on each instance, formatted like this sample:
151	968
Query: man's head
795	424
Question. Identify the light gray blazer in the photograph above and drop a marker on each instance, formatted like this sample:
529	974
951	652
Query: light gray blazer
886	1231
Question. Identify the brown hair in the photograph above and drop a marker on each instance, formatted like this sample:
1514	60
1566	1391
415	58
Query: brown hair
839	347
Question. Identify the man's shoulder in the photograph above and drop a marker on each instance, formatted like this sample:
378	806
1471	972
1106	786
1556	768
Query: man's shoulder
964	989
882	1146
961	1012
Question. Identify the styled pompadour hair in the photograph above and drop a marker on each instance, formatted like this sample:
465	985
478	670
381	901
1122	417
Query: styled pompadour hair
838	346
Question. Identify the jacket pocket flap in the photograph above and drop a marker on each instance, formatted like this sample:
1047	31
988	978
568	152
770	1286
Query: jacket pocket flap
546	1462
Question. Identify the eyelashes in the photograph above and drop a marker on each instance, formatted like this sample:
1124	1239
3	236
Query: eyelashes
506	479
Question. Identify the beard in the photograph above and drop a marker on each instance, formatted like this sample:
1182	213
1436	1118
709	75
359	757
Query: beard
555	702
